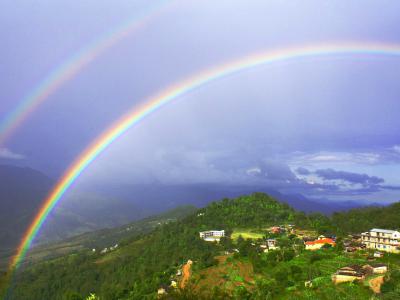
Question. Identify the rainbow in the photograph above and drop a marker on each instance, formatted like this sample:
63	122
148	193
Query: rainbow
72	66
172	93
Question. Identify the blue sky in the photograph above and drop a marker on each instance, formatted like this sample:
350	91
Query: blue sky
326	128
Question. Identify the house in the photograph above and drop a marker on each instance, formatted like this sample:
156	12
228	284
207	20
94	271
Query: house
161	291
379	268
272	244
289	228
357	272
275	229
212	235
174	284
382	240
353	247
319	243
349	274
353	243
378	254
308	284
355	238
350	249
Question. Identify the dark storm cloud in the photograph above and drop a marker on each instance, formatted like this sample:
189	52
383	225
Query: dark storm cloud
364	179
342	183
333	115
391	187
276	170
303	171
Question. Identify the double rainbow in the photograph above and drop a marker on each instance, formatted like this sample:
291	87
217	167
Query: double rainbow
172	93
72	66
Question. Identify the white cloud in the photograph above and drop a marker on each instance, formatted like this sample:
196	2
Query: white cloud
336	157
8	154
256	171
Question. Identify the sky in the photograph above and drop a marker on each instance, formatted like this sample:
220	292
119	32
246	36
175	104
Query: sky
323	127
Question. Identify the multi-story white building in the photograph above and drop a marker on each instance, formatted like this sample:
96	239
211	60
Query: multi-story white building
212	235
382	239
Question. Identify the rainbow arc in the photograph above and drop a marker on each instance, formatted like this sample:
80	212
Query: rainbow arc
137	114
69	68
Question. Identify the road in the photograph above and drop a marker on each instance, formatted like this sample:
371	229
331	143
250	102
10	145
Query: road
376	283
186	274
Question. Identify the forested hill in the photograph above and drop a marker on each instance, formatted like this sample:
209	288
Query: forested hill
138	266
363	219
256	210
145	262
105	238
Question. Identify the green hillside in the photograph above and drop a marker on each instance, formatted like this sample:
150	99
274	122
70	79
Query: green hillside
234	268
363	219
107	237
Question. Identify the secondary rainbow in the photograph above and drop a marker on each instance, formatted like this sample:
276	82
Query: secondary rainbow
167	96
72	66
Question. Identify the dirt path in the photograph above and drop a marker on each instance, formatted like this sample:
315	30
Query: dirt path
186	274
376	283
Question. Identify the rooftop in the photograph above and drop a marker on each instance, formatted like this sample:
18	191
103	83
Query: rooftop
378	265
382	230
352	267
321	241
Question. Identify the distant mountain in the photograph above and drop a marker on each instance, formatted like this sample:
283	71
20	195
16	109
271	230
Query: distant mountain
105	238
163	197
84	212
324	206
21	192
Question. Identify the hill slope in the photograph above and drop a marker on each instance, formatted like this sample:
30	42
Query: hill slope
107	237
363	219
140	265
21	192
137	268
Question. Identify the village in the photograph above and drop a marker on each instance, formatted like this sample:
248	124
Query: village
372	245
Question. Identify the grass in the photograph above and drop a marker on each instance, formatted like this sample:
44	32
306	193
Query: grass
247	234
304	232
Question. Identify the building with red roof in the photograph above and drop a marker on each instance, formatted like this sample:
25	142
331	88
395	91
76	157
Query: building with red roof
318	243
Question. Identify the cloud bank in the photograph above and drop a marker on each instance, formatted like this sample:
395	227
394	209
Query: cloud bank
6	153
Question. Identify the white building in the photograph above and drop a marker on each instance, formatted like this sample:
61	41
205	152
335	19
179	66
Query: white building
212	235
269	245
382	239
379	268
272	244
